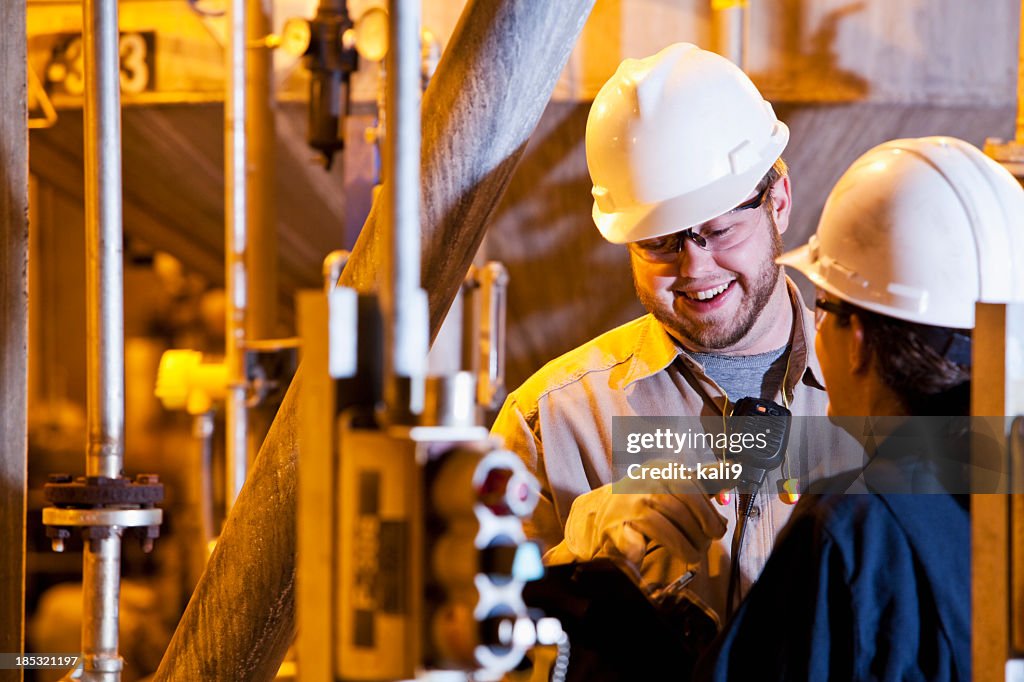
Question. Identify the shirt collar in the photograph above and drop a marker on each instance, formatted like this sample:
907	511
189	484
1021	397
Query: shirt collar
654	351
804	357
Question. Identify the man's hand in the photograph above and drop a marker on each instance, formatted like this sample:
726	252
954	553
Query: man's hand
628	525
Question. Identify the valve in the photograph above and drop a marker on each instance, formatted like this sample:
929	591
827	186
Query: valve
184	381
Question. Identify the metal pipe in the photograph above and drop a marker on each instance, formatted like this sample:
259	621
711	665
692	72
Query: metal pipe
508	55
730	24
403	303
202	432
101	563
334	264
18	252
1020	80
494	294
104	287
260	197
236	274
101	568
260	202
202	484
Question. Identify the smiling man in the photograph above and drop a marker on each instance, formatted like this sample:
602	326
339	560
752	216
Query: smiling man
684	154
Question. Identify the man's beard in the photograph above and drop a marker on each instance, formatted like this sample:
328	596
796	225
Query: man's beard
757	290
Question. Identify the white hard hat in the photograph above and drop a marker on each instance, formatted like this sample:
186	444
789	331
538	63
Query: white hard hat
674	140
920	229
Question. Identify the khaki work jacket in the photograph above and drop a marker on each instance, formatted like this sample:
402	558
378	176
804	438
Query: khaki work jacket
560	423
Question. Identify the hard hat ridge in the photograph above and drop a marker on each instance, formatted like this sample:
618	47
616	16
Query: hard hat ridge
973	182
648	78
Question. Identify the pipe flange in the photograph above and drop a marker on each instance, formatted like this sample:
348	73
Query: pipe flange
95	491
80	518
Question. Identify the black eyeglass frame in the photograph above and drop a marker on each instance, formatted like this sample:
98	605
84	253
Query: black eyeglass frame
840	309
683	235
757	200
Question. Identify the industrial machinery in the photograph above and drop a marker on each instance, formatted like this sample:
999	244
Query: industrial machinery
411	552
412	561
103	504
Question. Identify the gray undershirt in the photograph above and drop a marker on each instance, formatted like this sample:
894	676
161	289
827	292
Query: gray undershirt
758	376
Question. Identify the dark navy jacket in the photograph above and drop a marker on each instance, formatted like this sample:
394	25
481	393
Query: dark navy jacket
859	587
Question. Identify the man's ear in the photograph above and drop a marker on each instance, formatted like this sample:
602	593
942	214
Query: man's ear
859	352
782	203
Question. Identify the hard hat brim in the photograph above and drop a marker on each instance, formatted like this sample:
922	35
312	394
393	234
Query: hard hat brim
802	260
691	209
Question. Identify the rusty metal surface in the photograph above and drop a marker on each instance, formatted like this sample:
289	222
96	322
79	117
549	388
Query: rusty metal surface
13	331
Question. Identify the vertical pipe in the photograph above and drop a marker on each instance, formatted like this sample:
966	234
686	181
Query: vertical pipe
101	578
403	301
730	25
202	433
197	526
260	199
104	290
101	566
15	318
1020	80
235	234
334	263
990	538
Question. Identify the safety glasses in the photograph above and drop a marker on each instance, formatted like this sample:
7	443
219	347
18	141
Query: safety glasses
726	235
823	306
